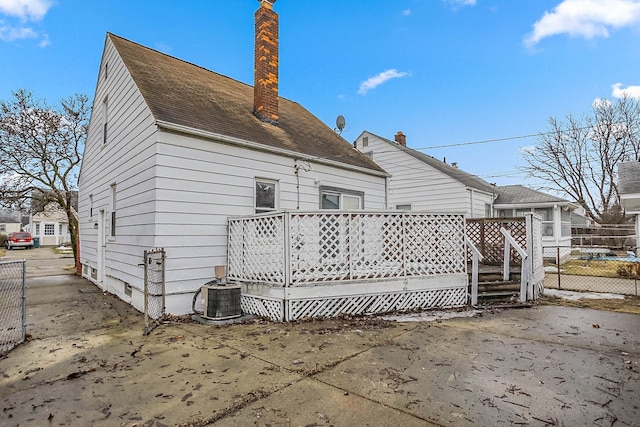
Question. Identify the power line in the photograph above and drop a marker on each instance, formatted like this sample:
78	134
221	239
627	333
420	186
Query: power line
487	141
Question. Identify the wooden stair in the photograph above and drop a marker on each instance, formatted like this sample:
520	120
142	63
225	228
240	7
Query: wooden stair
493	290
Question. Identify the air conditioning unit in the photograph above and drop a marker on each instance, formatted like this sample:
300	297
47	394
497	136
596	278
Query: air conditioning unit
221	301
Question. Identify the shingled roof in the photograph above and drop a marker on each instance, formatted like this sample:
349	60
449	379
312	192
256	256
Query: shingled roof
519	194
467	179
184	94
629	177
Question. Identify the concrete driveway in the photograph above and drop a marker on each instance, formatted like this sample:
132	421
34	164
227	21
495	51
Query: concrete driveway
88	363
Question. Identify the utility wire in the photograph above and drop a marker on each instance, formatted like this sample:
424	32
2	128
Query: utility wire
487	141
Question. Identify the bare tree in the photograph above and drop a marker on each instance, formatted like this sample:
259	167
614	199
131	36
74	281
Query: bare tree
40	152
579	156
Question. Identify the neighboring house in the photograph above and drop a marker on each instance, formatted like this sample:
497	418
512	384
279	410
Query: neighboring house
556	213
51	225
9	222
420	182
174	149
629	188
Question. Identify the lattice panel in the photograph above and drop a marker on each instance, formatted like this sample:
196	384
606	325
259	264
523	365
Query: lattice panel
434	244
319	247
338	246
379	303
376	246
486	236
256	249
264	307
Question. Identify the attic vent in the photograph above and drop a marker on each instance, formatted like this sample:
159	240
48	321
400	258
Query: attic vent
221	302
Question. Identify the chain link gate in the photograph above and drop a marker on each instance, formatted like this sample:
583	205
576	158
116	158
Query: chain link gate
154	284
13	307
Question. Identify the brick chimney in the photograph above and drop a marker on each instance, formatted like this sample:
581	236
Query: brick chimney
401	138
265	88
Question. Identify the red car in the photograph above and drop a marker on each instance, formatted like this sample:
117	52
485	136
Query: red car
20	239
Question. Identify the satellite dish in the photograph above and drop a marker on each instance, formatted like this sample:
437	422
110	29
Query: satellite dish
340	123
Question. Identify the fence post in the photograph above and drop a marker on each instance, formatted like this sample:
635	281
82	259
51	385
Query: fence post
24	299
558	265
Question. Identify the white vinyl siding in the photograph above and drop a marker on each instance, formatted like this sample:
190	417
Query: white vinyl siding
423	187
127	159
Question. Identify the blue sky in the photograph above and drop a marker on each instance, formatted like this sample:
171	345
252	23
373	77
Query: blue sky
450	73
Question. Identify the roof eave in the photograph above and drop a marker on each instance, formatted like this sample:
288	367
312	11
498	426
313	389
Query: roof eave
535	205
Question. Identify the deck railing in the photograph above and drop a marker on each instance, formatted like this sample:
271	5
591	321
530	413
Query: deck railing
511	242
300	248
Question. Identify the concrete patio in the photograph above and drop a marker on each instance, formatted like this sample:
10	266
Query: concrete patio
87	363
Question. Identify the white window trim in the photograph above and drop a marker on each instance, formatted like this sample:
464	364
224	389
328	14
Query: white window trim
341	192
276	201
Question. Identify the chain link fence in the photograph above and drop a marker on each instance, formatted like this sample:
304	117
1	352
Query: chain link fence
13	316
154	288
592	269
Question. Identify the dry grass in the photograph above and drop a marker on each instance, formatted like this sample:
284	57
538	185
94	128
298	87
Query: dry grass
596	268
630	304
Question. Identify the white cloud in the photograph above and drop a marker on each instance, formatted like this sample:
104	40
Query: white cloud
460	3
406	12
9	34
27	10
24	11
375	81
630	91
599	102
585	18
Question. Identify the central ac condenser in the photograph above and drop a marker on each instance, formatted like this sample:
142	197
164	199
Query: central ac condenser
221	301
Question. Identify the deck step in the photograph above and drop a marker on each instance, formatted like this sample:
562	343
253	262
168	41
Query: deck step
498	292
507	286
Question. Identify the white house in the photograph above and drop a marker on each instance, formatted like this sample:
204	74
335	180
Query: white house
629	187
51	225
173	150
9	222
420	182
556	213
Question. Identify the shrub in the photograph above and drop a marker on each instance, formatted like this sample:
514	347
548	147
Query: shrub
629	271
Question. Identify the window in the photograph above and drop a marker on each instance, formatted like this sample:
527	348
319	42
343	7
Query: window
3	228
565	222
369	154
403	207
37	230
265	200
90	205
106	70
49	229
105	109
338	198
365	141
113	210
547	220
60	230
487	210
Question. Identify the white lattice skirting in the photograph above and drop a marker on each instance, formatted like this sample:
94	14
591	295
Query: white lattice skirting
294	309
